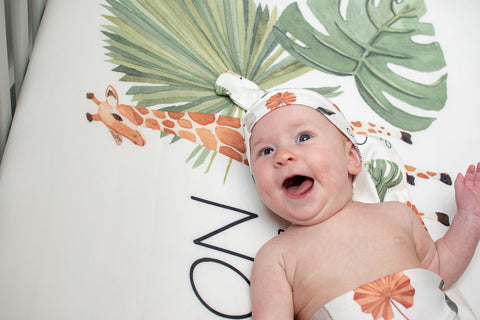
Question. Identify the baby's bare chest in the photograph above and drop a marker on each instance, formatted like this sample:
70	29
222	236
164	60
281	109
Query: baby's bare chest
328	262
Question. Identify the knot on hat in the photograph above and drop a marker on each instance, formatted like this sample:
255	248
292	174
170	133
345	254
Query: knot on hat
241	91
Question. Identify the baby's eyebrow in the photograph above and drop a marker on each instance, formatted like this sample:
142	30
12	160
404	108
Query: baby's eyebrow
254	145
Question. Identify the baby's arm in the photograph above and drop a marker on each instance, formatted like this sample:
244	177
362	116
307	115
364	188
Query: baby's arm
271	293
455	250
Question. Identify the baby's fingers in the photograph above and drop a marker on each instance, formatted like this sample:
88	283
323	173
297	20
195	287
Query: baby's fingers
472	177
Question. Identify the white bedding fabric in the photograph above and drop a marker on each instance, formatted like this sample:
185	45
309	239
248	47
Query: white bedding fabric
92	230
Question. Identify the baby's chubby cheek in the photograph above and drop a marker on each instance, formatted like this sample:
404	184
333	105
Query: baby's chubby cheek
262	189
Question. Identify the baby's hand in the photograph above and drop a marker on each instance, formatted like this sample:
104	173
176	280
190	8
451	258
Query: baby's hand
467	191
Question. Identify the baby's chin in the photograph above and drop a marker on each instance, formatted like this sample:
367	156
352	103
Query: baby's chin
301	217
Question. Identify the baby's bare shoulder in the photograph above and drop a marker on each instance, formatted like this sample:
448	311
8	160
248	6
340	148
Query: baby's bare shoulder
390	207
393	211
400	209
272	248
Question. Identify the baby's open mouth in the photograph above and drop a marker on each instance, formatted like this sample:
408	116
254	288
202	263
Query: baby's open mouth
297	186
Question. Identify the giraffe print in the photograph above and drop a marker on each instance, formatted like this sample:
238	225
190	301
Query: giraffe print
441	217
360	127
413	172
216	132
220	133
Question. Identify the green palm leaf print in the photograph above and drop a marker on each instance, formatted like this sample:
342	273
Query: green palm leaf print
175	50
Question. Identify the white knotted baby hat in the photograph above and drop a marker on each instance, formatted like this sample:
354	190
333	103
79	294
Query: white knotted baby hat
257	103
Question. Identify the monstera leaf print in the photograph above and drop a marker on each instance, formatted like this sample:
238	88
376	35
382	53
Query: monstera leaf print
385	174
370	43
175	50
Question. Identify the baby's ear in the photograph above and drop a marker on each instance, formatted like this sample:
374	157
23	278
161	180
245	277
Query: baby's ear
354	159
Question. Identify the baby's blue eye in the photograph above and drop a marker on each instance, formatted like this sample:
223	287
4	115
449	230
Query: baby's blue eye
266	151
303	137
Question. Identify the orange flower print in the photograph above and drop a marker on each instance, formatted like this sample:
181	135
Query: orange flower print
378	297
280	99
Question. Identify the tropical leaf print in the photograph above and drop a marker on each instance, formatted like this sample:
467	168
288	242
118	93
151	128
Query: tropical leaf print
385	174
378	297
175	50
369	44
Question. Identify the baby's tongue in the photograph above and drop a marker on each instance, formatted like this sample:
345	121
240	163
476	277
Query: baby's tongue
298	185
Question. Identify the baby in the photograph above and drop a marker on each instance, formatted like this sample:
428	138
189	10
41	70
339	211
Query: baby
343	259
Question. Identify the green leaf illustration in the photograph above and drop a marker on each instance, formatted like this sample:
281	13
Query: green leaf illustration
175	50
366	44
385	174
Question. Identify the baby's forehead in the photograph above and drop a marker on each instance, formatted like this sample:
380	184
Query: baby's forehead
294	115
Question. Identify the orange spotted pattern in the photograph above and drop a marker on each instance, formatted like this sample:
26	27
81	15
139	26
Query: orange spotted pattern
219	133
368	128
360	127
413	172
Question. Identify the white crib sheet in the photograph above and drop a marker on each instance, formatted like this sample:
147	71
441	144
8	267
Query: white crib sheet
92	230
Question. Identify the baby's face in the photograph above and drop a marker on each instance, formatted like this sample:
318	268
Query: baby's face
301	164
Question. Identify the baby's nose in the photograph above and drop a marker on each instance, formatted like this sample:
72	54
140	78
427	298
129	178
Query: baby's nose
284	157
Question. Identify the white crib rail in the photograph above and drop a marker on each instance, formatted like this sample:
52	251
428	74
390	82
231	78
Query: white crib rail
19	21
